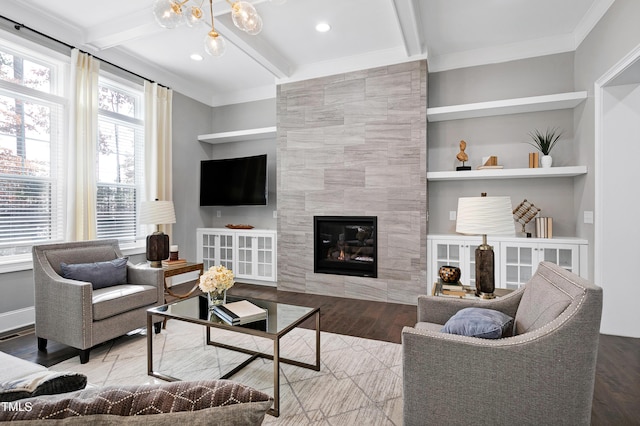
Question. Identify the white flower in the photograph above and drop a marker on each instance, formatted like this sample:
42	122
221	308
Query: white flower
217	278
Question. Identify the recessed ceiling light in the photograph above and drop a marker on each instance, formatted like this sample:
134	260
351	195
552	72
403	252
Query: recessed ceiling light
196	57
323	27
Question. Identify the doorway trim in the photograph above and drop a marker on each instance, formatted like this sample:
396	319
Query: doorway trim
599	88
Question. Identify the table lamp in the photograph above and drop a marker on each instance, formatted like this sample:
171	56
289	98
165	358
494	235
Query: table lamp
485	216
157	213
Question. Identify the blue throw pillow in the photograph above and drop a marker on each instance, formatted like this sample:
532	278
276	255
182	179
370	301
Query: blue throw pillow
99	274
479	322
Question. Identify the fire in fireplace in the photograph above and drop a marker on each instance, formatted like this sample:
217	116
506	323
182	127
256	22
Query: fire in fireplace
346	245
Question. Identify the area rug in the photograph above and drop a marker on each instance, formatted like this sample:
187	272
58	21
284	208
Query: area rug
360	380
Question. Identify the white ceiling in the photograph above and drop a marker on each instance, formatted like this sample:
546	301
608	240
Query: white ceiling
365	34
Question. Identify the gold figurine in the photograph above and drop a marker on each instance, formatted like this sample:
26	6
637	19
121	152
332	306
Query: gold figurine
463	157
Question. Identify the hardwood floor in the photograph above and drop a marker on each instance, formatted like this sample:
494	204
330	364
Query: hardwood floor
616	399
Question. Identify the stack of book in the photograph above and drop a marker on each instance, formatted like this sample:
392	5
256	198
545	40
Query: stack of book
241	312
544	227
168	262
450	289
534	159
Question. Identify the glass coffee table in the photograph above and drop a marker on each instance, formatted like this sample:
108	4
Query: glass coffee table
282	318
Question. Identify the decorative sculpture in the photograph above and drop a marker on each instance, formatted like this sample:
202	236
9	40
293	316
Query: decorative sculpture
524	212
463	157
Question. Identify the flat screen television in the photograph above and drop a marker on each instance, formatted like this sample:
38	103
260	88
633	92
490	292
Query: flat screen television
234	181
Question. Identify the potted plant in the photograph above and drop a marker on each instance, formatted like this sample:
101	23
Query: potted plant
545	143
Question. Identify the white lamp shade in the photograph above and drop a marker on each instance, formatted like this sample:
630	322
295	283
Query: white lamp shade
485	216
157	213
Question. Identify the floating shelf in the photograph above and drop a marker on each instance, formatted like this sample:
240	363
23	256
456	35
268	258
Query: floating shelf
508	173
506	106
239	135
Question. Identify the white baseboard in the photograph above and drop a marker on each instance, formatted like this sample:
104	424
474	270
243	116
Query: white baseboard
17	319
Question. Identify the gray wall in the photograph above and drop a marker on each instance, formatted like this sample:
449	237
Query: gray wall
249	115
355	144
190	119
17	288
505	136
613	37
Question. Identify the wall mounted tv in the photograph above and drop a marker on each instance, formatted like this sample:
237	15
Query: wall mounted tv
234	181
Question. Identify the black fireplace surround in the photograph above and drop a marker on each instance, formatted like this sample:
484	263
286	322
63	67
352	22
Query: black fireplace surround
346	245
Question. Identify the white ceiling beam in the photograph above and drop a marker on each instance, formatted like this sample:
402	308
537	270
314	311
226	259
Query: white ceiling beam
254	47
408	16
119	31
142	24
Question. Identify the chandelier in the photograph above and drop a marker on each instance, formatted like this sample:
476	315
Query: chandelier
172	13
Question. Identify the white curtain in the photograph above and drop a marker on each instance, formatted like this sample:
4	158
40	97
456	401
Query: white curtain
81	158
157	145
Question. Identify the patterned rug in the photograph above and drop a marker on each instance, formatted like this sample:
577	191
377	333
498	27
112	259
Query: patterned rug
360	380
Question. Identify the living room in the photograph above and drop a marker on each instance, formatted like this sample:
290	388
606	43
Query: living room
393	184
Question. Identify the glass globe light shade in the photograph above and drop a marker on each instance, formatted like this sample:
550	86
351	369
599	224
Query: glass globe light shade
254	25
241	13
214	45
168	13
193	16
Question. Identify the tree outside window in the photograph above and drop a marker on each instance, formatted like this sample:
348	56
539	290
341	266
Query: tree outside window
120	150
29	194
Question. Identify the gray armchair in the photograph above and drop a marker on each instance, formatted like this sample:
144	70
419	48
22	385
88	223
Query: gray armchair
73	313
543	375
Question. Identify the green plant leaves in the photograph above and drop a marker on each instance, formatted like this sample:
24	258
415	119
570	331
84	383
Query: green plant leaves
545	141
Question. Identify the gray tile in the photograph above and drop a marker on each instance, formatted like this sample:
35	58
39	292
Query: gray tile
355	155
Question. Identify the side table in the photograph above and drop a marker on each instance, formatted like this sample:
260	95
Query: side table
464	292
173	270
183	268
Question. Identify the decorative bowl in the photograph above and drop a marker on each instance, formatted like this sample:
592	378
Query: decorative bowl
449	274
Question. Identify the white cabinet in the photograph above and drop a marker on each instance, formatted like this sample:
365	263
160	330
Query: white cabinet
519	259
215	247
249	253
256	255
457	251
516	259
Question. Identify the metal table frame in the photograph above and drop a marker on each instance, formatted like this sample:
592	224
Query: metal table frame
277	359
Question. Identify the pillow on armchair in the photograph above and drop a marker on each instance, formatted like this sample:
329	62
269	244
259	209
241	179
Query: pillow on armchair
479	322
99	274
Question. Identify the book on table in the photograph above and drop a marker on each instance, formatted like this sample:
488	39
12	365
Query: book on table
174	262
240	312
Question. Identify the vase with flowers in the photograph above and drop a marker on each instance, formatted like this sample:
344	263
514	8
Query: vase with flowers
215	282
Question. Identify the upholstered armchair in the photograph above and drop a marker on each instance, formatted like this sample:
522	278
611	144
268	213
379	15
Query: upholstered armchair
544	374
86	293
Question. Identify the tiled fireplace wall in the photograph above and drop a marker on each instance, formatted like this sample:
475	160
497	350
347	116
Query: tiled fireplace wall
355	145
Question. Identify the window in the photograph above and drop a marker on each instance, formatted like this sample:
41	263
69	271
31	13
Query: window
31	128
119	165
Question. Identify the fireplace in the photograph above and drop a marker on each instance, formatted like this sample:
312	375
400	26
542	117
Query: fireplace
346	245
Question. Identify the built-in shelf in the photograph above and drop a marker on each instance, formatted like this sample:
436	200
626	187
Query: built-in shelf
509	173
506	106
239	135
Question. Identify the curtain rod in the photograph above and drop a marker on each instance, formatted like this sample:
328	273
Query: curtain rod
18	26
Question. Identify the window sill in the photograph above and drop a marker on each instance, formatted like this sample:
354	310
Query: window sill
25	262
